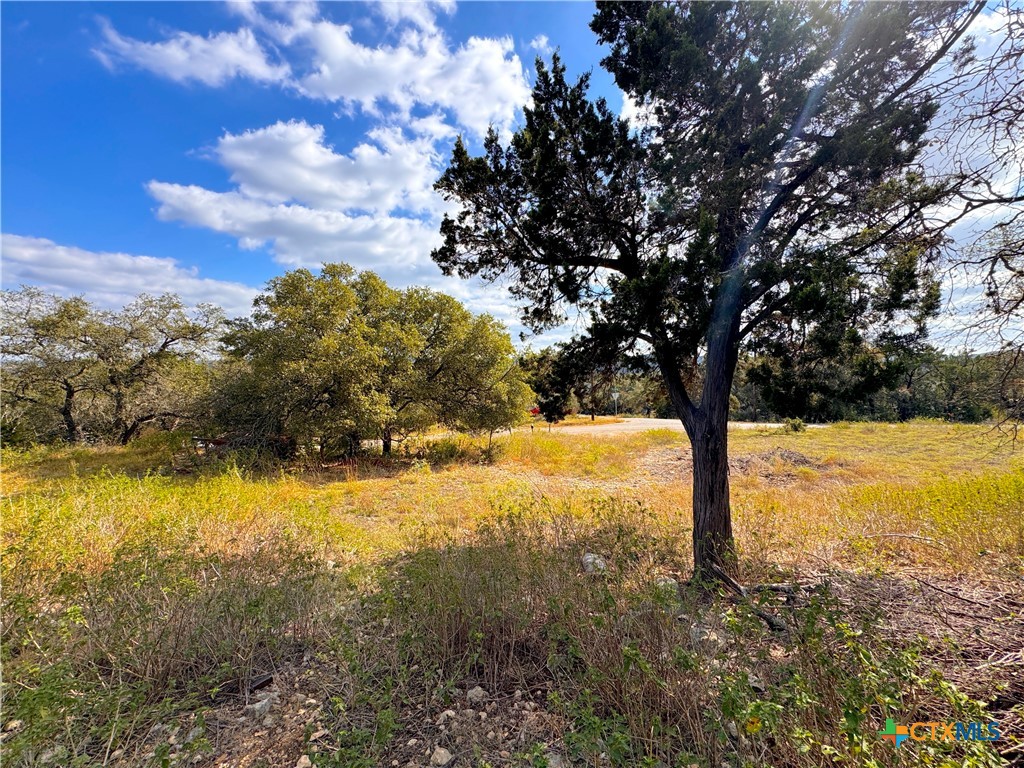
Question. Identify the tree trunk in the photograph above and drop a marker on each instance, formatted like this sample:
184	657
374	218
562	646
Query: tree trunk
707	426
128	433
121	426
67	412
385	442
713	546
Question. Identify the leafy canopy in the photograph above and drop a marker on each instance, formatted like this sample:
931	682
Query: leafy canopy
341	356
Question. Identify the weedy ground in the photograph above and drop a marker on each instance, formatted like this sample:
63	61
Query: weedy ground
151	595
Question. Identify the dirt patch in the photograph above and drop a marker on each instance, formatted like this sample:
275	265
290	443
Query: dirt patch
298	725
779	466
968	630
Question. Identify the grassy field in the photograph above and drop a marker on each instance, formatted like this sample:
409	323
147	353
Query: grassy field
145	589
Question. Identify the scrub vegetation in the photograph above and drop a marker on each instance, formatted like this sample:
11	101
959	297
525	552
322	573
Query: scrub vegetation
147	587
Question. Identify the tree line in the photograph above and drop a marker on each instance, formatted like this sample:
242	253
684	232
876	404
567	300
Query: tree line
927	382
323	363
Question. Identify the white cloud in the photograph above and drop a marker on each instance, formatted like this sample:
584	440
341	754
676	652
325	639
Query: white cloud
292	162
421	14
396	248
482	81
541	44
370	203
374	207
211	60
113	279
300	235
637	115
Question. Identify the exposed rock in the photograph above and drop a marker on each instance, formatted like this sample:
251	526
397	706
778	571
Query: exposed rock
259	709
441	756
13	725
476	695
594	564
445	716
701	634
304	762
667	586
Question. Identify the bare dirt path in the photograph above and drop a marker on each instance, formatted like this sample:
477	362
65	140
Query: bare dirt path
628	426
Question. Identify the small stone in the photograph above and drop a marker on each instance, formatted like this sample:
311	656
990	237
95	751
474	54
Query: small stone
445	716
269	721
505	753
469	713
476	695
441	756
594	564
260	708
490	734
667	586
318	735
13	725
554	760
701	634
412	742
304	762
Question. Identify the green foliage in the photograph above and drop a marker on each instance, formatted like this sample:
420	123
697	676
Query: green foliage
922	383
73	371
332	359
544	375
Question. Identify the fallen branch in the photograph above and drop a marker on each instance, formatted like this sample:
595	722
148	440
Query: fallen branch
774	623
947	592
913	536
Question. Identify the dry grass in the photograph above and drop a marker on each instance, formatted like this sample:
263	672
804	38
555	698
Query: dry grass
131	584
947	495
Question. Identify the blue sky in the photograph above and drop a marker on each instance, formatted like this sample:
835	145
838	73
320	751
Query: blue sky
203	148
